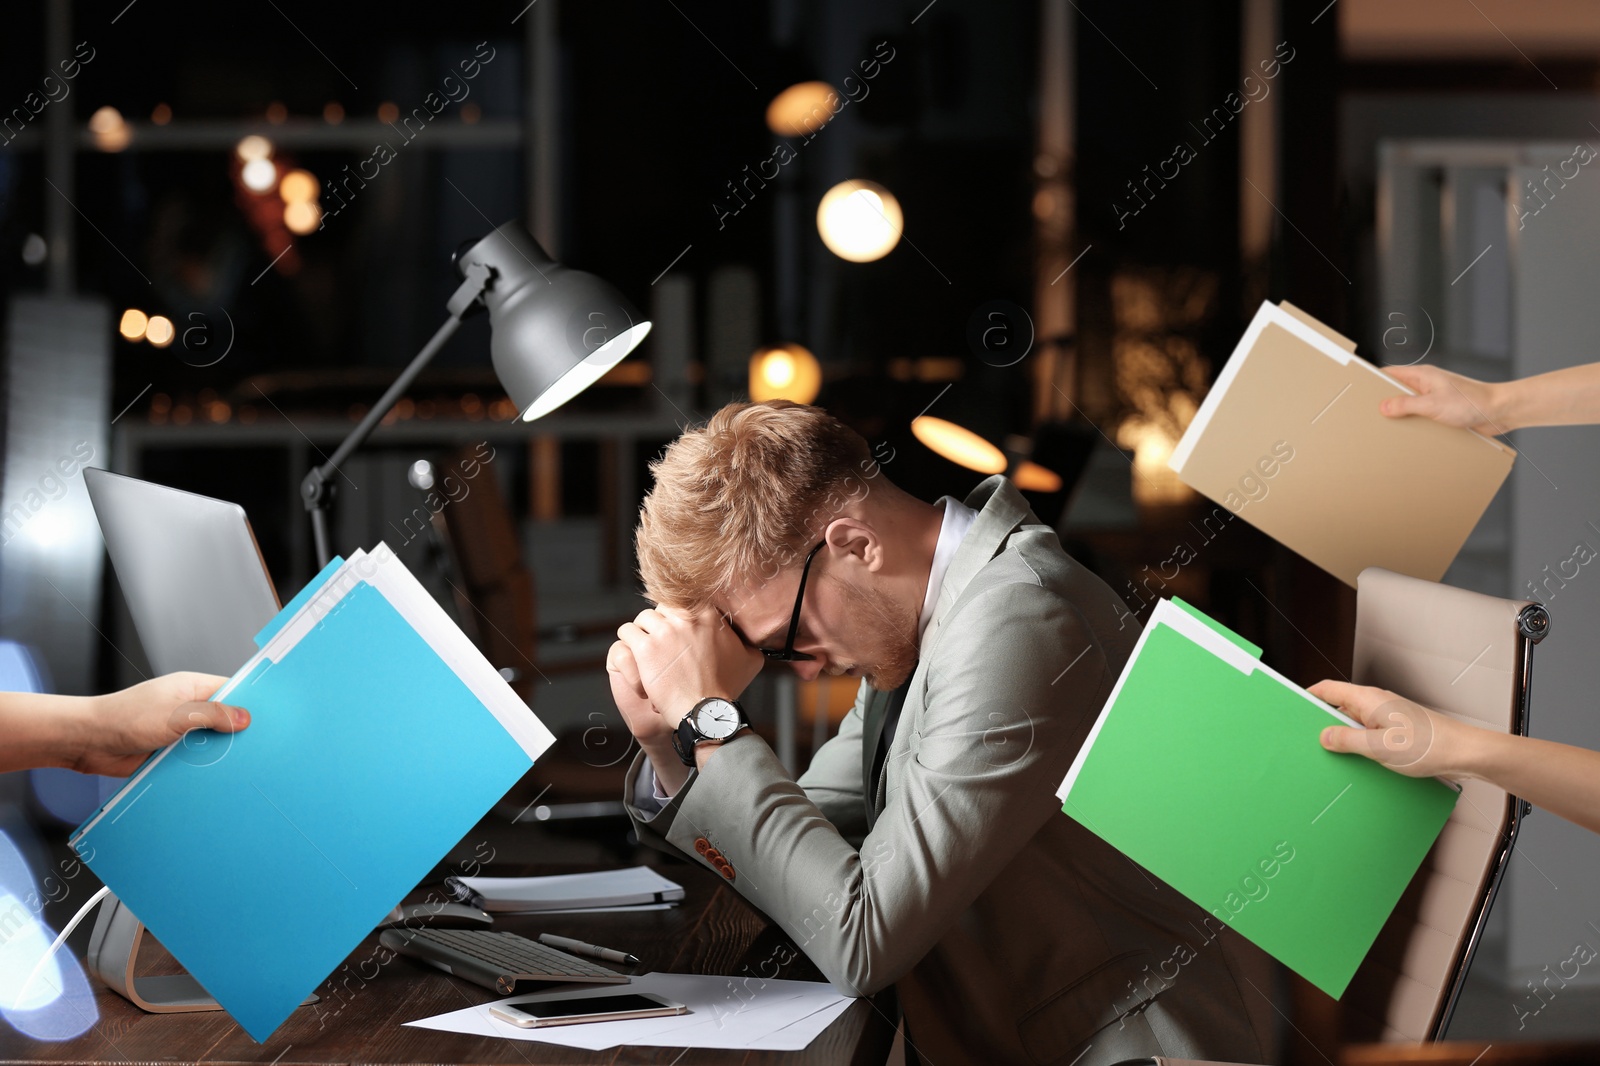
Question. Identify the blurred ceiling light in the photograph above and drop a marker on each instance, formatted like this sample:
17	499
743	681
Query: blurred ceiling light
387	111
34	249
252	147
161	115
277	114
133	325
298	185
159	332
302	217
784	372
776	369
801	110
859	221
1031	476
110	130
959	445
333	112
471	113
258	175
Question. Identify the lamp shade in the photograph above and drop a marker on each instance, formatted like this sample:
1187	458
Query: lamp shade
555	330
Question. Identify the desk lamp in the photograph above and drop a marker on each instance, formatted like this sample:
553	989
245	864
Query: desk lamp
555	331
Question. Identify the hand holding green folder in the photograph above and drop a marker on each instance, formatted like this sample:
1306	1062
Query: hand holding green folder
1204	767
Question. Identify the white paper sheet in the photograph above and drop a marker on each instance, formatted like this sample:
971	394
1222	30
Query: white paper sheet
625	909
630	886
725	1012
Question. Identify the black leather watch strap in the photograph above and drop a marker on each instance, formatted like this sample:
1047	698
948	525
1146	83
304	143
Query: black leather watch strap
684	740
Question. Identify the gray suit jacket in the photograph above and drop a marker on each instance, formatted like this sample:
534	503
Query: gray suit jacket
1011	933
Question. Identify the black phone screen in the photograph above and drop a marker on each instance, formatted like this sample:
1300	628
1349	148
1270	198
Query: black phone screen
567	1008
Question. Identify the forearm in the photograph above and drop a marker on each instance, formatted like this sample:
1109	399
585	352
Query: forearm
1566	397
1559	778
43	730
796	867
865	914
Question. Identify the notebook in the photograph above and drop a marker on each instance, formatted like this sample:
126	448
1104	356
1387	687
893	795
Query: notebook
1204	767
1291	440
379	737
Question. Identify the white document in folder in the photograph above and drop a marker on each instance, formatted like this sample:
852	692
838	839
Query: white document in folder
724	1012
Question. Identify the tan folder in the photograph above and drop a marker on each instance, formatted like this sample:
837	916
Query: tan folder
1290	439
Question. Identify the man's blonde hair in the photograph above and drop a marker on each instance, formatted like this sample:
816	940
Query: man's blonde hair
743	497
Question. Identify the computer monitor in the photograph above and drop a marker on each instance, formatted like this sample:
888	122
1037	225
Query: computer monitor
190	570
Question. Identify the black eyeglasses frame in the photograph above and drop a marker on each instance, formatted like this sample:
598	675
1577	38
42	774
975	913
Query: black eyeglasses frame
787	654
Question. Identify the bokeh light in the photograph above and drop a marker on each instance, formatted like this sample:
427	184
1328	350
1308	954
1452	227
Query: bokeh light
801	110
859	221
301	217
110	131
959	445
258	175
252	147
785	372
133	324
298	185
1031	476
160	331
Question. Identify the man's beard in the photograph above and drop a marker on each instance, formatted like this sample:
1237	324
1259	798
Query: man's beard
895	655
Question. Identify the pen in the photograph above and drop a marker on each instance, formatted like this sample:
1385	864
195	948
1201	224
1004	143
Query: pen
578	947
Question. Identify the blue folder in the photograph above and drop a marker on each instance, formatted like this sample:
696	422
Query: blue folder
261	859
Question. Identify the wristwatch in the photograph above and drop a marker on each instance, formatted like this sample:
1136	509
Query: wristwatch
713	719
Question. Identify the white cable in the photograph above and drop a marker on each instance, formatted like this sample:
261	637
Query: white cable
105	890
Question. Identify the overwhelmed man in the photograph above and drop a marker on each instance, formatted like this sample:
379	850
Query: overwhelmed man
923	848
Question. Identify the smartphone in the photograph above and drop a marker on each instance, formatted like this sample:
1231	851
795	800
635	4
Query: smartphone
538	1013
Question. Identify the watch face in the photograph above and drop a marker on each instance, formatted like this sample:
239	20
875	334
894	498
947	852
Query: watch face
716	719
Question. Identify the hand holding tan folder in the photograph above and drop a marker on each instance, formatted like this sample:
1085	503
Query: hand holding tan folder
1357	489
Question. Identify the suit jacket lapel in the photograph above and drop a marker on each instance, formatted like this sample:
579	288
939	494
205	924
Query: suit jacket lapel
1001	508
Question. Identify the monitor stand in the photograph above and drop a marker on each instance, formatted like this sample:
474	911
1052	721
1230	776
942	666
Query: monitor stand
113	951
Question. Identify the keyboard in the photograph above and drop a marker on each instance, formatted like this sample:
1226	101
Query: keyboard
496	960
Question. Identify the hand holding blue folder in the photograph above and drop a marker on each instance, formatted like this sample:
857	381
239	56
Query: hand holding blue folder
380	735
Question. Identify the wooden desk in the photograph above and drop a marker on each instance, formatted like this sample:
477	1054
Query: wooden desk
363	1006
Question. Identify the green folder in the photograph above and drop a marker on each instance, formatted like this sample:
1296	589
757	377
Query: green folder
1204	768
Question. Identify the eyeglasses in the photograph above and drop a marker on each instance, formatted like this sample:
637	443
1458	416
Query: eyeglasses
788	654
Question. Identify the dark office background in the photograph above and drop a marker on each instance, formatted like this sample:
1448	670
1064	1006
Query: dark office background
1031	148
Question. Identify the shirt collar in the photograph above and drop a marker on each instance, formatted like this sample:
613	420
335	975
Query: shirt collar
958	518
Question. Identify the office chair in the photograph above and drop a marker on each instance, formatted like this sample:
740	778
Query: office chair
496	603
1470	656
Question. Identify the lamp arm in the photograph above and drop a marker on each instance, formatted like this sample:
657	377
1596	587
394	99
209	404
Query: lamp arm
316	491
